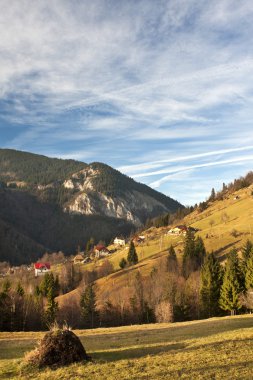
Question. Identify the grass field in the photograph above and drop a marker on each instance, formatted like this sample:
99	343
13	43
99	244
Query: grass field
218	348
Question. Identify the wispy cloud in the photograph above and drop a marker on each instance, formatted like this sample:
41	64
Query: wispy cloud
186	168
143	86
150	165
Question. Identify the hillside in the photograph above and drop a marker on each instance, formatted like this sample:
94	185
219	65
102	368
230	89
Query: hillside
59	204
217	348
30	227
223	225
17	166
94	189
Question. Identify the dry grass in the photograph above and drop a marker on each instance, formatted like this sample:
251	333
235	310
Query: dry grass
240	214
219	348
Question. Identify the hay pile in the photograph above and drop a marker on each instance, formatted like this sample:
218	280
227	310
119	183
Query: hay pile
58	348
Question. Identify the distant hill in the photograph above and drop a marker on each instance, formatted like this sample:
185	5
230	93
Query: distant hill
59	204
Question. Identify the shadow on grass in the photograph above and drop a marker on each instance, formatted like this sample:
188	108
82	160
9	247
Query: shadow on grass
210	372
222	249
171	335
136	352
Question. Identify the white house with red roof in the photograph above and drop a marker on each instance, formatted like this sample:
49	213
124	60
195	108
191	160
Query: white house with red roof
101	251
41	268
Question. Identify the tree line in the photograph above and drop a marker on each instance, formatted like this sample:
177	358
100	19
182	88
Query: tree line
192	287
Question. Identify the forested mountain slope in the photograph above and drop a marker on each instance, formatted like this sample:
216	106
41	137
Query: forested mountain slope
59	204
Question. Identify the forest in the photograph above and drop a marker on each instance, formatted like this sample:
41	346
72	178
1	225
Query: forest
199	287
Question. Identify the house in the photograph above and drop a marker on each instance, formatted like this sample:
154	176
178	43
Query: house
181	230
139	239
120	242
41	268
101	251
78	259
178	230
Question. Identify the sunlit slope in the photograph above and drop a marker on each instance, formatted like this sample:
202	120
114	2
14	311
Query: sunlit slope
223	225
227	223
218	348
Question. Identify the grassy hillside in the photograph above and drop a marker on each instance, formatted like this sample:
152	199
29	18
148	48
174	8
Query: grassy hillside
223	225
227	223
218	348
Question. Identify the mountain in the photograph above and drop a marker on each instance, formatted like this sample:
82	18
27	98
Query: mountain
53	204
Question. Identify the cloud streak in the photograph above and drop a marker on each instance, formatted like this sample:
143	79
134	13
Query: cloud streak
158	183
141	86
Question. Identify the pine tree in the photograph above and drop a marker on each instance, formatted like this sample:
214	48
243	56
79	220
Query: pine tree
132	256
212	196
88	306
232	284
5	307
172	264
211	281
49	283
200	251
52	308
249	273
194	253
247	250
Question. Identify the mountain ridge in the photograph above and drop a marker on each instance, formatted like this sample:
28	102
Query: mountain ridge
75	194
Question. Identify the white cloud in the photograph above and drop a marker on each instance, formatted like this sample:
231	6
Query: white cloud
170	80
158	183
131	169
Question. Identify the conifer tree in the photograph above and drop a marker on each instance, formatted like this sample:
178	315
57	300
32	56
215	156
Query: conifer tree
88	306
212	196
132	256
232	284
52	308
247	250
5	307
18	310
49	283
249	273
211	281
172	264
200	251
194	253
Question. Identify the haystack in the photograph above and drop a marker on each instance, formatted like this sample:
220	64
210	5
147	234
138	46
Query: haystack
58	348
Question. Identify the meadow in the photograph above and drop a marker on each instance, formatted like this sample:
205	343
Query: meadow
217	348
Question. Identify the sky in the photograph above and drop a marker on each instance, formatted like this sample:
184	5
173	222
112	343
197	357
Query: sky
160	90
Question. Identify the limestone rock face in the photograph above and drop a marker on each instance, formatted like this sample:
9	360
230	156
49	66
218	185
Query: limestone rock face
131	205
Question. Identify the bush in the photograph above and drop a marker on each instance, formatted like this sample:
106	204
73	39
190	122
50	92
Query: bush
123	263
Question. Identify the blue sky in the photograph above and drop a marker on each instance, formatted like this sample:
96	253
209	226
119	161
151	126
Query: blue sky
161	90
